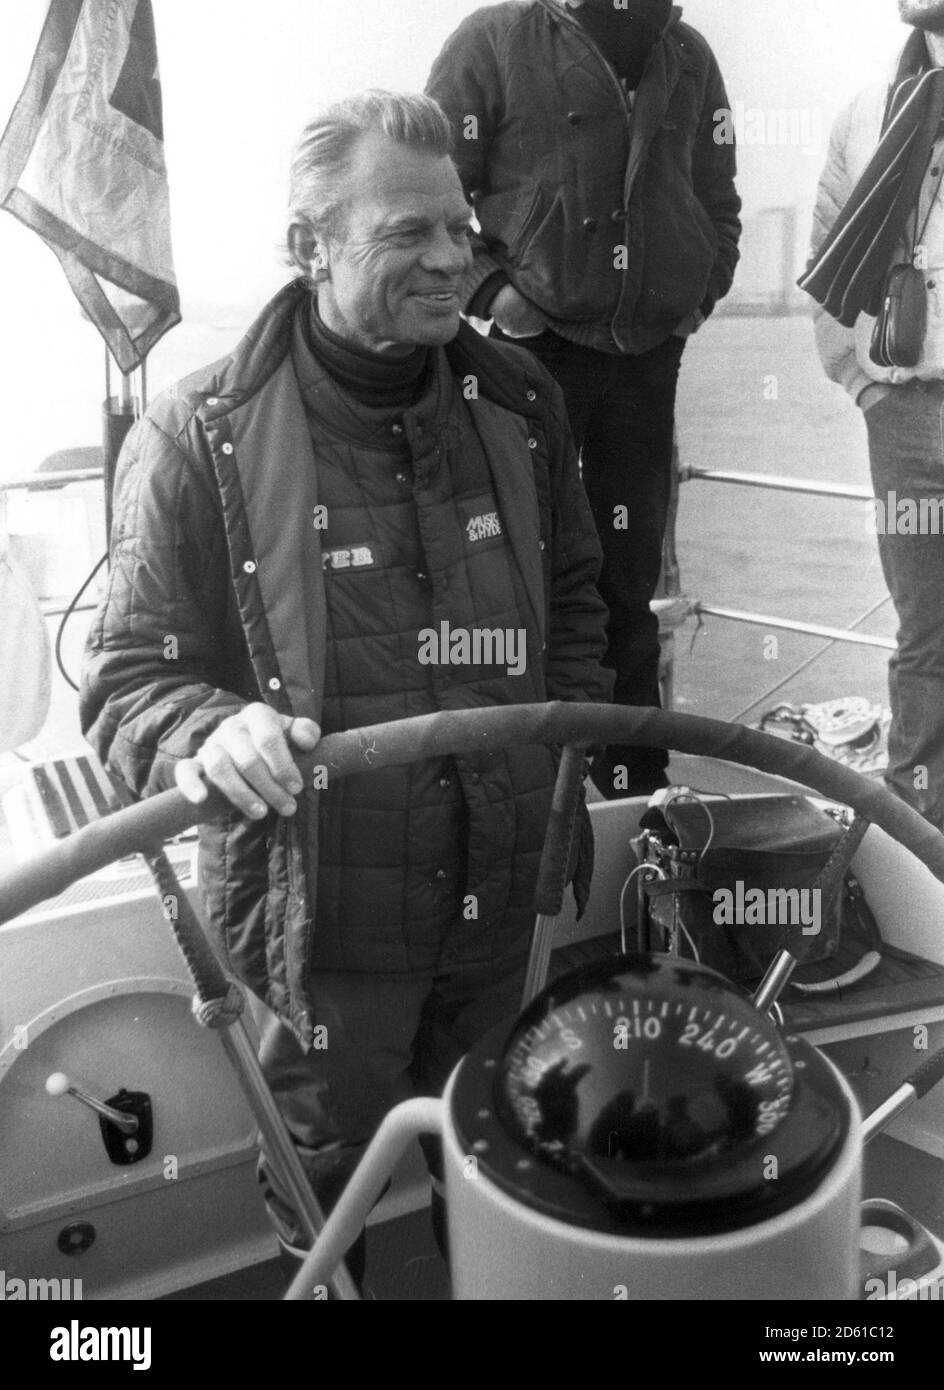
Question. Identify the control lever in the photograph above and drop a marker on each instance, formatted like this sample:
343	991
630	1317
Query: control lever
58	1084
923	1079
774	982
930	1072
125	1119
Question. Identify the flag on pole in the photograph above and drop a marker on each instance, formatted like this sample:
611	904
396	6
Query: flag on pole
82	163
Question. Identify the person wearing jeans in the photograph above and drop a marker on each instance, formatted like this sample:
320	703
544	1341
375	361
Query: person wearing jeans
906	450
880	205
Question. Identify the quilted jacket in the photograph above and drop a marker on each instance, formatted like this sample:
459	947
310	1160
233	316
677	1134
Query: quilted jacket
216	598
618	221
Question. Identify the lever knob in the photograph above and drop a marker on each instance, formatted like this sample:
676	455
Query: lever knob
58	1084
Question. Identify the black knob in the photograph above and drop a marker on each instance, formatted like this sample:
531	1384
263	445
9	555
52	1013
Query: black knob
77	1238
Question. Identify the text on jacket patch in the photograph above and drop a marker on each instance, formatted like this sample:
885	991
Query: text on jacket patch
355	557
484	527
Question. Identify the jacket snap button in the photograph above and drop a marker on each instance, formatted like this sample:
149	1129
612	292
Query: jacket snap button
618	216
532	395
213	400
275	683
227	448
421	576
532	443
440	874
396	429
590	224
401	477
250	566
573	117
444	782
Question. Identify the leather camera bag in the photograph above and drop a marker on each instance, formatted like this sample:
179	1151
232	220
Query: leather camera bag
898	336
742	879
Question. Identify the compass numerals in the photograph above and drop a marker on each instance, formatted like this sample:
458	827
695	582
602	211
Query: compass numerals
762	1073
769	1115
646	1029
708	1041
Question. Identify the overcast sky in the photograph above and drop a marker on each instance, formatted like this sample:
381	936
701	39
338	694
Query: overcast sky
241	77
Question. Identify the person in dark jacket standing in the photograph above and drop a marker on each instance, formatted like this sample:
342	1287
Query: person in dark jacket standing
590	138
294	526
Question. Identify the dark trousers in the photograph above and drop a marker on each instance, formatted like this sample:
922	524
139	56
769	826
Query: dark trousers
622	416
387	1038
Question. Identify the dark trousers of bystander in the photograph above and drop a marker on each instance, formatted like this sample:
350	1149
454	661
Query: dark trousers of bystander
622	415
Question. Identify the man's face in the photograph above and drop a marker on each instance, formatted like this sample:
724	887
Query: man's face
923	14
397	263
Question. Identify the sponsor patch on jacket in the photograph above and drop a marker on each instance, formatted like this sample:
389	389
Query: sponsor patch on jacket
349	557
481	522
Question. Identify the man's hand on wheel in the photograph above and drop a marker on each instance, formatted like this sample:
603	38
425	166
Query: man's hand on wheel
249	759
516	316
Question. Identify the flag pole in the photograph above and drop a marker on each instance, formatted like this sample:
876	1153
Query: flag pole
118	415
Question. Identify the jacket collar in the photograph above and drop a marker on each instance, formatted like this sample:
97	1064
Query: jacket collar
499	376
371	426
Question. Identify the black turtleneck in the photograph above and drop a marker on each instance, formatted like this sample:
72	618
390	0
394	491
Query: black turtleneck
372	378
626	37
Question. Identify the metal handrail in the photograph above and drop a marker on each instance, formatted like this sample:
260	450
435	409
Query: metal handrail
832	634
44	482
775	482
54	608
771	482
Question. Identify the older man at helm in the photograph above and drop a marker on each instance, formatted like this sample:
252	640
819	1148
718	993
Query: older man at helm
362	468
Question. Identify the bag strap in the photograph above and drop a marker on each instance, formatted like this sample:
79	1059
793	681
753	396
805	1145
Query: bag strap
834	870
867	962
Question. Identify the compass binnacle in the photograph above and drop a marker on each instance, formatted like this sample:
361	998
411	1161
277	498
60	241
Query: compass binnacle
659	1061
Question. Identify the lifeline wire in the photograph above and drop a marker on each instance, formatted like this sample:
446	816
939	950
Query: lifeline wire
735	718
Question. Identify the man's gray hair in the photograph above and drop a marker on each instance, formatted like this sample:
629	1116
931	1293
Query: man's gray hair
322	155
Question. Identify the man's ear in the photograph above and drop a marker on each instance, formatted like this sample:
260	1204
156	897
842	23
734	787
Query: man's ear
305	249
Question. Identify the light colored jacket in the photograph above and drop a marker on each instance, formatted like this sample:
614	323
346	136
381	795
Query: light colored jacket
845	351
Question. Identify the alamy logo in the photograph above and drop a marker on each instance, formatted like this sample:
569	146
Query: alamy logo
39	1290
483	528
75	1343
801	128
477	646
905	516
771	907
929	1289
